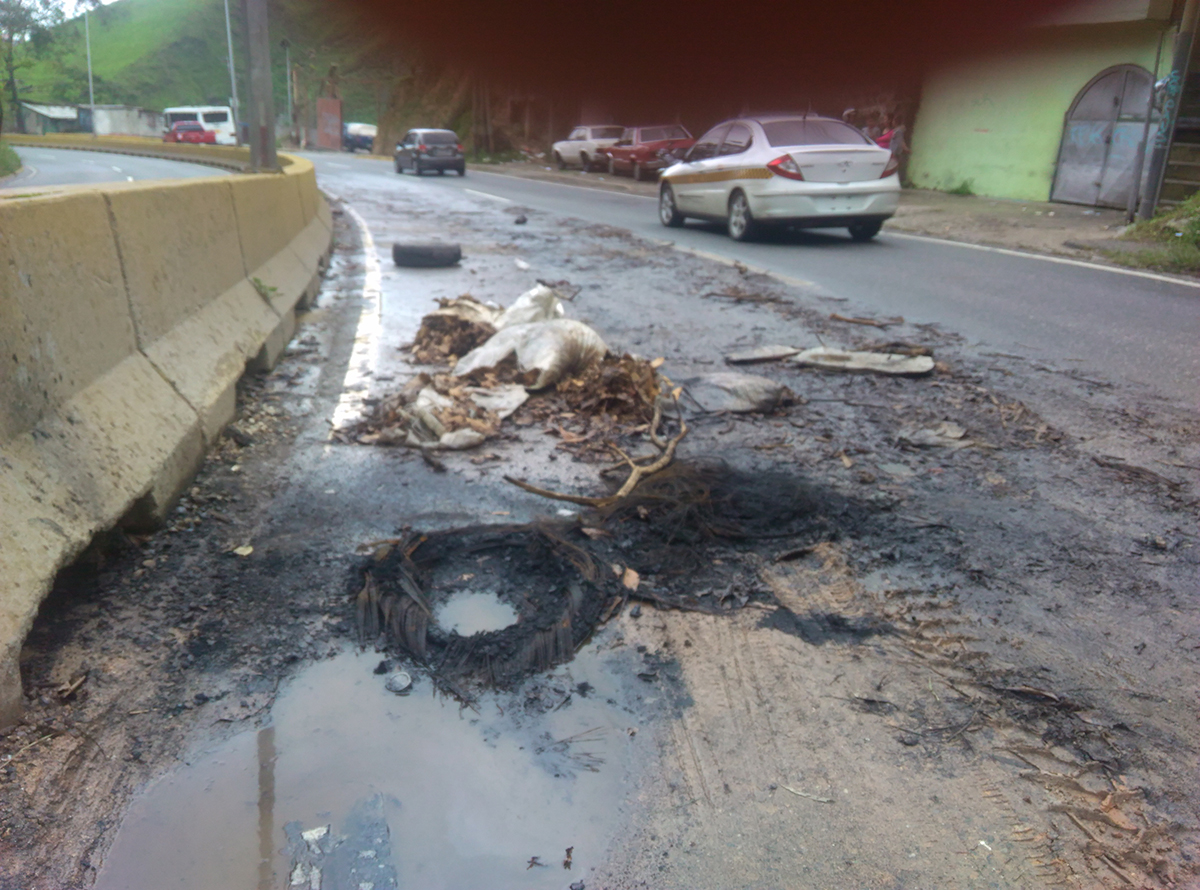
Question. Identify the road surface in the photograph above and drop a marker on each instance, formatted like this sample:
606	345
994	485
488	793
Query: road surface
1098	321
64	166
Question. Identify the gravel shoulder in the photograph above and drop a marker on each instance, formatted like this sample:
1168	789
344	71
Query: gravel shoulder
981	674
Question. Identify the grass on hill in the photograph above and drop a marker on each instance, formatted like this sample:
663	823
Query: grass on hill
1172	239
9	162
159	53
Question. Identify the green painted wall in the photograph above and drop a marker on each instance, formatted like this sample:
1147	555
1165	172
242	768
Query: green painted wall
995	123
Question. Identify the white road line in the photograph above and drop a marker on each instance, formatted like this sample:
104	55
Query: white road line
490	197
356	385
118	169
1065	261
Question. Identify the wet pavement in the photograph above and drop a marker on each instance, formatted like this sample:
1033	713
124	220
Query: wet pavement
467	796
947	607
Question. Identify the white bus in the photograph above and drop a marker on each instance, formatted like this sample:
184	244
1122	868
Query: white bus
218	118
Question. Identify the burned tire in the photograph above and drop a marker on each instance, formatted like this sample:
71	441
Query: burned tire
425	255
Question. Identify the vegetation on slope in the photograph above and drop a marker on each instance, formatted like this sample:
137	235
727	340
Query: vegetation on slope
1172	239
9	162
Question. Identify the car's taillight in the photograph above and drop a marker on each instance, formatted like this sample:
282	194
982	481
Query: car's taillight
786	167
893	165
422	147
459	146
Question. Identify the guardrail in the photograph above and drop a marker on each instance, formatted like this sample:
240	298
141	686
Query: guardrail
128	313
228	157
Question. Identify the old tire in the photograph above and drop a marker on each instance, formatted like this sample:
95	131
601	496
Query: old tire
740	223
425	255
866	229
668	213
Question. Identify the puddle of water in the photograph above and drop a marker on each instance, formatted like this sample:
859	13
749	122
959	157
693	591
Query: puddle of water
458	799
467	613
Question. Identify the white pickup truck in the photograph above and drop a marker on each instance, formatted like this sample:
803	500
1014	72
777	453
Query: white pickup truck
582	147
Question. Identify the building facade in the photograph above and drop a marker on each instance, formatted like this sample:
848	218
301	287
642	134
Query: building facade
1059	113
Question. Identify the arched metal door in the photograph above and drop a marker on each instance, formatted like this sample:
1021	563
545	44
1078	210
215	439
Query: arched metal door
1100	138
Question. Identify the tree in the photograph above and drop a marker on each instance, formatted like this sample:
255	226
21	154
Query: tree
23	22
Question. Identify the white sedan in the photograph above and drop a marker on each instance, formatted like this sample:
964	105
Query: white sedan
583	146
799	170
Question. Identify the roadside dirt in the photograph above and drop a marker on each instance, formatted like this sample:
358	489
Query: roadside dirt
979	671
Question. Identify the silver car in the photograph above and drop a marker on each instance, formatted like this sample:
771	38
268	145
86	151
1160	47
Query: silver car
799	170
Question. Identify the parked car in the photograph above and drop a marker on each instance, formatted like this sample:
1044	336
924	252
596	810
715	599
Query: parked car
640	150
584	147
422	150
190	131
356	136
800	170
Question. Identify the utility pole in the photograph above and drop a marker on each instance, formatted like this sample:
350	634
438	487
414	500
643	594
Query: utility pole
261	105
233	96
1170	112
87	36
287	67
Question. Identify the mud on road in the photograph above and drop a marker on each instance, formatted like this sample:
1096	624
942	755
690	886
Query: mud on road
967	667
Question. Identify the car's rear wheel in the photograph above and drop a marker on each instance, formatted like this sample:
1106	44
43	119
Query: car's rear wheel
668	213
417	168
866	229
558	159
741	223
462	170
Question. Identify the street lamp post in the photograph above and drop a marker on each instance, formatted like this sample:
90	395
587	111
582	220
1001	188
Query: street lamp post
87	36
287	67
237	121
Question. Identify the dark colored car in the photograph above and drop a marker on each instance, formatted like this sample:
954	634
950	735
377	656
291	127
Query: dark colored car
190	131
422	150
639	149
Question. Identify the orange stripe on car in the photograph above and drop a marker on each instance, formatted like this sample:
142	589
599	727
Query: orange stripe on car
721	175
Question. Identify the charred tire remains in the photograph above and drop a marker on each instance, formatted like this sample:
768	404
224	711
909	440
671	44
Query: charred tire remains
426	255
555	587
559	577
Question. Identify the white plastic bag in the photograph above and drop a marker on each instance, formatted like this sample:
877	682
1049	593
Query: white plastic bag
538	304
555	349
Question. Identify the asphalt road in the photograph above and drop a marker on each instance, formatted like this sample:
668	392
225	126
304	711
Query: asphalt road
64	166
1107	323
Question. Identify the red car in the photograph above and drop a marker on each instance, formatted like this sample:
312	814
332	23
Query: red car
190	131
637	151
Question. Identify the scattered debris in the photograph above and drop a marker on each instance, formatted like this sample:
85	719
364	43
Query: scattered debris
945	435
535	860
806	794
453	330
400	683
872	322
736	393
567	858
760	354
830	359
244	550
430	412
548	350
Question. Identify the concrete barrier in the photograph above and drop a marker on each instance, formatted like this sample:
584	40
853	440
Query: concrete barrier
127	315
229	157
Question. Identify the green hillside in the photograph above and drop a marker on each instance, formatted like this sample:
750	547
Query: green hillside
158	53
